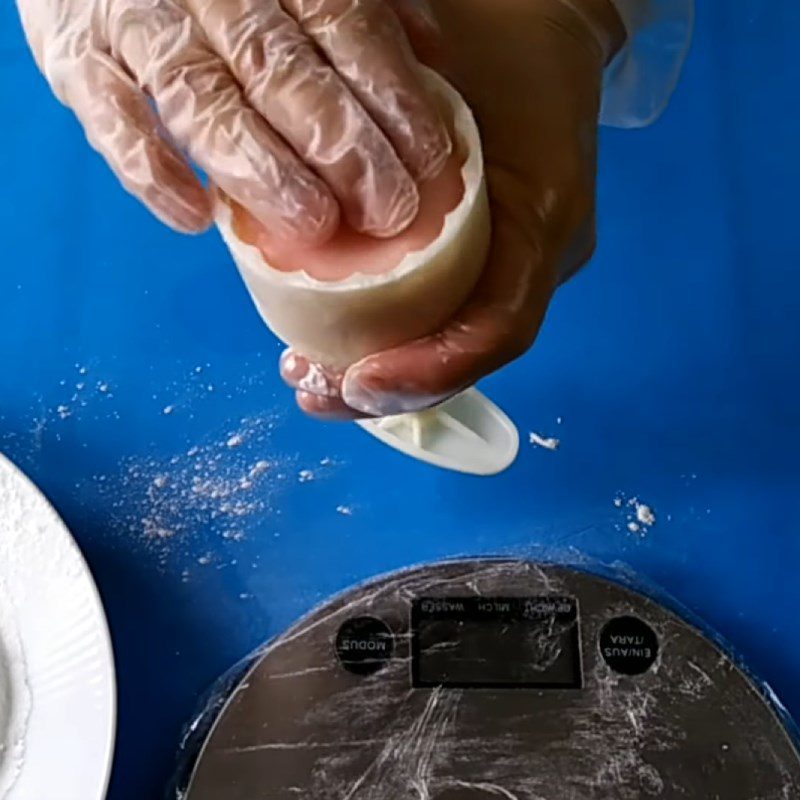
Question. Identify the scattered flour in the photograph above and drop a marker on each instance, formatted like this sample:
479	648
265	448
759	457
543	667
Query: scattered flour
549	443
640	516
225	487
645	514
212	486
48	418
259	468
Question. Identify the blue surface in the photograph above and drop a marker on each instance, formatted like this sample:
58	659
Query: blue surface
672	362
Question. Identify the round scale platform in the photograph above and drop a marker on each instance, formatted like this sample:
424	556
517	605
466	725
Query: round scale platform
487	679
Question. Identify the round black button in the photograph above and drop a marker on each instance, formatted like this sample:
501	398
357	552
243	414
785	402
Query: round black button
364	645
628	645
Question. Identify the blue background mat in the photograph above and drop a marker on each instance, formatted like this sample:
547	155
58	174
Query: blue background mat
138	388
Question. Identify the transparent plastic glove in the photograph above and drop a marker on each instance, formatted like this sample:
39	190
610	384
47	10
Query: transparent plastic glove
299	109
532	72
642	77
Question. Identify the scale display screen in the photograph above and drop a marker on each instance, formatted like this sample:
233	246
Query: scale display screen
496	642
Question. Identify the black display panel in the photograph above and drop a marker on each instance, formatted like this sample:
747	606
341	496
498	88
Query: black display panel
498	642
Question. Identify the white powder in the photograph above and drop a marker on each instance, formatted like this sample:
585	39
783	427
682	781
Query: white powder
24	529
225	485
549	443
645	514
259	468
640	516
14	695
203	483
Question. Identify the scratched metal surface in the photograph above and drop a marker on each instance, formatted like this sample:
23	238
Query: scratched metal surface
299	724
671	361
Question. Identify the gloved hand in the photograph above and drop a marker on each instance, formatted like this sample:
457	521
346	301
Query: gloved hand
296	108
531	70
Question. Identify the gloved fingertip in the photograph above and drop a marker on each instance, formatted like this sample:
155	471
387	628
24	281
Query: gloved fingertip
364	390
435	154
309	377
304	212
314	218
187	218
177	198
189	227
200	222
393	218
196	230
325	408
318	228
293	367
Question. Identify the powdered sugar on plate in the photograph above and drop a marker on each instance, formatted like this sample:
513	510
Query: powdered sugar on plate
15	697
56	673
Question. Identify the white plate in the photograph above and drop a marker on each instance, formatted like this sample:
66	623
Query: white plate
55	646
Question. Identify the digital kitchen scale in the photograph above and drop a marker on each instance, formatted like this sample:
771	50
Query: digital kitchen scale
495	680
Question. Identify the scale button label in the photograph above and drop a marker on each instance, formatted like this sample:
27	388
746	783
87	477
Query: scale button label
364	645
628	645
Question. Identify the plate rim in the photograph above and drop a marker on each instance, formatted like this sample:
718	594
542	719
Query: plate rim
105	640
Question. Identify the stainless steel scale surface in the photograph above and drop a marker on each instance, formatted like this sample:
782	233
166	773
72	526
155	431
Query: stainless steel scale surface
495	680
